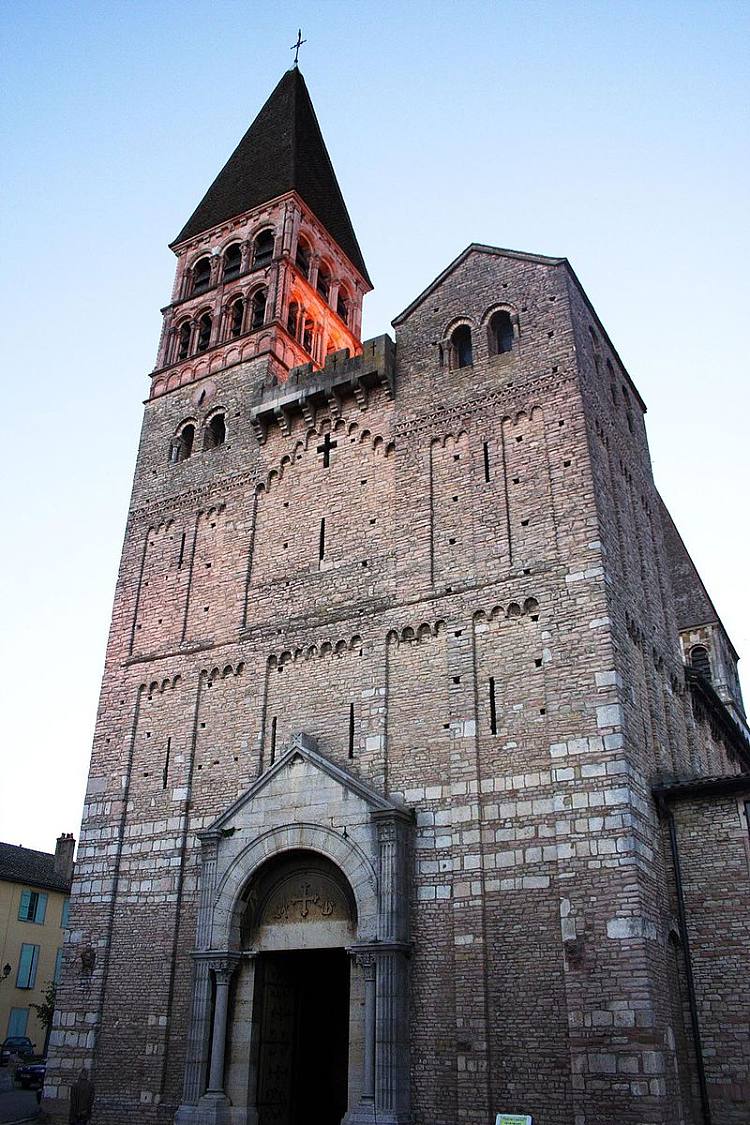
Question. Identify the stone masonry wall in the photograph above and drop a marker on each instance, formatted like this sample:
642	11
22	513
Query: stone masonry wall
452	637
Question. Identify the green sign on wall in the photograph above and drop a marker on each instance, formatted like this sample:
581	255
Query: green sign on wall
514	1119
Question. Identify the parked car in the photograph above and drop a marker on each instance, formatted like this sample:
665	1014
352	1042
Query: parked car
30	1075
19	1045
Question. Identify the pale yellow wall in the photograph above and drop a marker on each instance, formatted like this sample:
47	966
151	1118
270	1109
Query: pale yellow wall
13	934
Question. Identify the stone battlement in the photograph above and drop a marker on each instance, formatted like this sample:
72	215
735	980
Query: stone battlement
306	389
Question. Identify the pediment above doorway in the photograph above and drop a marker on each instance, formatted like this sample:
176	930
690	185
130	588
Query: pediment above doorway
304	771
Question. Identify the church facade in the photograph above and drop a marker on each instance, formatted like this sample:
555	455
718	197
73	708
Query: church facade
420	782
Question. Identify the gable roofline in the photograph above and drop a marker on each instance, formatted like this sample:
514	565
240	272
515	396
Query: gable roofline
305	747
473	248
712	616
520	256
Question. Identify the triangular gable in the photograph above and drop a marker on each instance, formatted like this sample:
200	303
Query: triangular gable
304	747
473	248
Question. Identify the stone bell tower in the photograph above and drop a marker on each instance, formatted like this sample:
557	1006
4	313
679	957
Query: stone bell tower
268	264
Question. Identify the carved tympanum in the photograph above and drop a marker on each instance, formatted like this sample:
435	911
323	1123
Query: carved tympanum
300	888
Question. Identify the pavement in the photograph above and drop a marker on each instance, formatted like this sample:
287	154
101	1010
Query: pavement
15	1105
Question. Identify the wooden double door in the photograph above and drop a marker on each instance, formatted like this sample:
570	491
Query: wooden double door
304	1037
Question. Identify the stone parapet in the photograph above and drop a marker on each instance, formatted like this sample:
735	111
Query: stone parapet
306	389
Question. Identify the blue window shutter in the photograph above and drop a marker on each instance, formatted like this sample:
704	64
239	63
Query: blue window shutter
58	966
65	919
41	908
23	909
18	1021
27	964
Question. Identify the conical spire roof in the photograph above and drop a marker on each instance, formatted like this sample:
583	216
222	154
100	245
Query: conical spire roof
283	150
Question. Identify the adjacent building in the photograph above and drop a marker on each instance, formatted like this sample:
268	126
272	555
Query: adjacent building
420	781
34	904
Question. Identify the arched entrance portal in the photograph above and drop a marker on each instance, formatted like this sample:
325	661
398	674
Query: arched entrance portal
300	986
299	918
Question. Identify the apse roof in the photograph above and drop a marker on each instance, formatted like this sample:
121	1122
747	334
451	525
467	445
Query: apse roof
282	151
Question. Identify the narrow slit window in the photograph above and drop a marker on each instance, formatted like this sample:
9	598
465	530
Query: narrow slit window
322	540
351	730
181	558
165	774
273	739
486	450
493	707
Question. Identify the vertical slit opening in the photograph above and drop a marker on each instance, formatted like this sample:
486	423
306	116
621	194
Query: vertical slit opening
493	707
165	774
351	730
486	461
322	542
273	739
182	551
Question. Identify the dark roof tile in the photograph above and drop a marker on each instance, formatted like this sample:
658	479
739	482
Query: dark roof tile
282	151
24	865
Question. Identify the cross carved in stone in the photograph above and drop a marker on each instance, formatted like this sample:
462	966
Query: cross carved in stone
325	449
305	901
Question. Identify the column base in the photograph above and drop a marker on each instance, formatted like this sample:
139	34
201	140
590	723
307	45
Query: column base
216	1109
366	1114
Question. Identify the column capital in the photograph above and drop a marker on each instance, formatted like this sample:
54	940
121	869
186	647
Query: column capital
221	962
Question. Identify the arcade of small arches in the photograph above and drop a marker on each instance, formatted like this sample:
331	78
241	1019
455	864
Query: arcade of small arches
242	313
245	311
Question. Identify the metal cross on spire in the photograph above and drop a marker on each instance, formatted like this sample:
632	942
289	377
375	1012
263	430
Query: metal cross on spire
296	46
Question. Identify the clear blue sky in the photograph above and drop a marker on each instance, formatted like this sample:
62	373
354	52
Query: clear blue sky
613	133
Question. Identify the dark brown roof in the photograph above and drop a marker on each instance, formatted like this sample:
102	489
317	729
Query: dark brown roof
693	606
36	869
282	151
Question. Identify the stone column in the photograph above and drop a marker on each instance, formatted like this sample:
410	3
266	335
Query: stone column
222	970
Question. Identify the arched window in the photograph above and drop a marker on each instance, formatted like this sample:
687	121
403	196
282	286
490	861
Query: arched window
292	320
215	433
323	283
699	661
201	275
183	340
232	262
204	332
236	318
501	333
258	318
307	335
263	249
182	444
302	257
342	305
463	355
